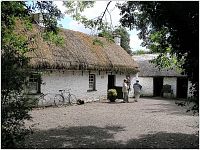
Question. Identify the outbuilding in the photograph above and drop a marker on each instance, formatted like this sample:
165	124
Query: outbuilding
157	82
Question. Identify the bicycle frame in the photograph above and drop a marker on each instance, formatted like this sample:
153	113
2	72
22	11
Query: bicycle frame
65	94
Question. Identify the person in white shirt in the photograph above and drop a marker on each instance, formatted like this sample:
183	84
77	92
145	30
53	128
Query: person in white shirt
125	91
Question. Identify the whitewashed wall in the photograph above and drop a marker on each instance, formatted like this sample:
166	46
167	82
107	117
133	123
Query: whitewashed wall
78	83
147	85
173	82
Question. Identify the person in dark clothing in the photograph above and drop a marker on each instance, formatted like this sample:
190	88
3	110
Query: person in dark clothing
137	90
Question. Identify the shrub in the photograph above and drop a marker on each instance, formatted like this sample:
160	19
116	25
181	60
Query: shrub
112	95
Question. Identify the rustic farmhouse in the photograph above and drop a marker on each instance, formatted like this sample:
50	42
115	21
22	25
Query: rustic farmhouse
87	65
152	79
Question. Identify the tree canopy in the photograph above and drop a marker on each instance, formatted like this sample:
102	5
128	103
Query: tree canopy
15	66
168	28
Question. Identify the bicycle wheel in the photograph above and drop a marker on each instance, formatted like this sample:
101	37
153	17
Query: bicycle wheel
72	99
41	101
58	100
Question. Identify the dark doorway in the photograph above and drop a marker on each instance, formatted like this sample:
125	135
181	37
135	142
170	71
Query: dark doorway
157	86
111	81
182	87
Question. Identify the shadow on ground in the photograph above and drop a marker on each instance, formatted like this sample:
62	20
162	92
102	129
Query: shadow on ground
170	109
96	137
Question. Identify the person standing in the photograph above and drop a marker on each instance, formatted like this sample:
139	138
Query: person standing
125	91
128	84
137	90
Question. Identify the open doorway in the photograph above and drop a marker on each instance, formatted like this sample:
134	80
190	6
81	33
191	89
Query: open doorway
182	87
111	81
157	86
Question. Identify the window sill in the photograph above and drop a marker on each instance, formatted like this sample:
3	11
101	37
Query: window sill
33	93
91	90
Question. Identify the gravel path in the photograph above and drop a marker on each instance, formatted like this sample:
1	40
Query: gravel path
149	123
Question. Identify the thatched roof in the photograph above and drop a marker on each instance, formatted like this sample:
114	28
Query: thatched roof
79	53
148	69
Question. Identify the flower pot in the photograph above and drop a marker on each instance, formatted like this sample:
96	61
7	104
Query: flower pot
112	98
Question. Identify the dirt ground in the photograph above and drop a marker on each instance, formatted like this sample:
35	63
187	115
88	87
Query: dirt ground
149	124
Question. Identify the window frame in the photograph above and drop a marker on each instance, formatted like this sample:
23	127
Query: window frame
34	78
92	82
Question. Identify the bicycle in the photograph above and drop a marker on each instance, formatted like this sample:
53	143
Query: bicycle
60	99
45	99
42	99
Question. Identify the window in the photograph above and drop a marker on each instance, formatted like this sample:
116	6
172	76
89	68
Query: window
92	82
34	84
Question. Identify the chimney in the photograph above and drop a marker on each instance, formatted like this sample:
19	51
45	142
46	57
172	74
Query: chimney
117	39
38	18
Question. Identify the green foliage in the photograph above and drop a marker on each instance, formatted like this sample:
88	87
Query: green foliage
75	8
50	14
168	61
107	34
139	52
13	102
53	38
14	110
112	94
98	42
168	27
28	24
15	69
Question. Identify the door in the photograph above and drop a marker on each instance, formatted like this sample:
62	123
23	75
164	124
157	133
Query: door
182	87
111	81
157	86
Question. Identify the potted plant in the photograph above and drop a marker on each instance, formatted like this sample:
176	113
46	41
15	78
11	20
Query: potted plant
112	95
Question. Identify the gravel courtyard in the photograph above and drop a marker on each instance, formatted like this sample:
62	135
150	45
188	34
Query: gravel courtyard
149	123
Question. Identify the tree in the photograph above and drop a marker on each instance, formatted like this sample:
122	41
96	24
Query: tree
75	8
15	67
168	28
140	51
125	38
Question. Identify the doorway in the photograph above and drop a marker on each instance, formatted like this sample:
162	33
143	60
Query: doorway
111	81
157	86
182	87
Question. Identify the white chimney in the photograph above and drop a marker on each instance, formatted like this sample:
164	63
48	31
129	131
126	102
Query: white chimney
117	39
38	18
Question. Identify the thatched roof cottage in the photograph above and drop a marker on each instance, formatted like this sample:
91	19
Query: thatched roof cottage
87	65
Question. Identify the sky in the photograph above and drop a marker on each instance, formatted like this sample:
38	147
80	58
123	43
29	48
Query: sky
68	23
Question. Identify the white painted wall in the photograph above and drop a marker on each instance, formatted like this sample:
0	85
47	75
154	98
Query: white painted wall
78	83
173	82
147	85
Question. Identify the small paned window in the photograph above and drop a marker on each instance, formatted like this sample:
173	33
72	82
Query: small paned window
92	82
34	85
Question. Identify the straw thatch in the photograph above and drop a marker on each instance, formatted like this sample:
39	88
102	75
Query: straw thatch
148	69
78	53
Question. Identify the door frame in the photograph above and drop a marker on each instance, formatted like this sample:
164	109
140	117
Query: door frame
113	81
157	88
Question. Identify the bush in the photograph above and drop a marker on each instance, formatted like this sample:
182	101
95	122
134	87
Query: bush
14	111
112	95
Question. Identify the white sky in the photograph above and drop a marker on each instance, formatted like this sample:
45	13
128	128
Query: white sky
95	11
